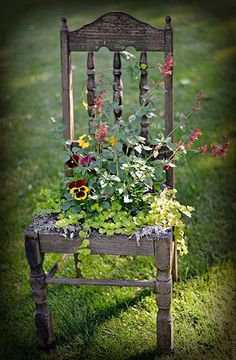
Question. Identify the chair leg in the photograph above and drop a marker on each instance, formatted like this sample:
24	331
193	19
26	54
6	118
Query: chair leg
175	270
43	319
163	295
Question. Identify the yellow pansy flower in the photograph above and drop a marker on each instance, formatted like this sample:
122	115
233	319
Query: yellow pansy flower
79	193
83	143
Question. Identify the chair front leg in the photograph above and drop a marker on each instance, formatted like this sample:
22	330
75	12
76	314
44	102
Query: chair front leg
163	295
175	271
43	319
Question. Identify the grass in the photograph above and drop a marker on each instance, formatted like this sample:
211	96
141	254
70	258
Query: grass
118	323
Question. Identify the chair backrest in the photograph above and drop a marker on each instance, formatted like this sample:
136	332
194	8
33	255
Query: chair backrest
116	31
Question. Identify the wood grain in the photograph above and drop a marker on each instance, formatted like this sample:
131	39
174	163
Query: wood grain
67	88
163	257
116	31
99	244
43	319
143	91
169	119
101	282
91	87
117	86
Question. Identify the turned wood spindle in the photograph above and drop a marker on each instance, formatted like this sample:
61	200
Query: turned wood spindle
91	87
143	90
117	86
43	319
164	295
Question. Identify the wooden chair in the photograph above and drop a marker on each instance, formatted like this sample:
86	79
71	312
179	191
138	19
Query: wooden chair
116	31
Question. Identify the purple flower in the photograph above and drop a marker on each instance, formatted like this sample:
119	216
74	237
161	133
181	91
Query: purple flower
86	161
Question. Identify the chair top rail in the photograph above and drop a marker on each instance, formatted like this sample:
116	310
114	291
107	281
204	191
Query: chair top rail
115	31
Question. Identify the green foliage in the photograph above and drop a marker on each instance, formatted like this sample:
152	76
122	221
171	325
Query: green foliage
113	165
112	217
51	200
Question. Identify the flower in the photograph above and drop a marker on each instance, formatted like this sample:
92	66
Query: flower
113	140
180	146
101	132
73	161
198	101
86	161
99	101
203	149
166	167
193	137
82	143
98	105
166	67
78	189
220	149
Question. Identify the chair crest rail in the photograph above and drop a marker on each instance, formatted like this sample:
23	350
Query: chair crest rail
116	31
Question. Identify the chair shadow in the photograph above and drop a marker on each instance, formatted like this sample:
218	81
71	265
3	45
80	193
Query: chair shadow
101	316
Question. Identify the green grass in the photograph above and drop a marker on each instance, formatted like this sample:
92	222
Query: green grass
118	323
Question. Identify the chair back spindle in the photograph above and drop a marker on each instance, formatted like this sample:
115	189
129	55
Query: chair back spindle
91	87
143	89
117	86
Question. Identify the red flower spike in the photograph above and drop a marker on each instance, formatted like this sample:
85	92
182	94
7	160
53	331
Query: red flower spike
198	101
101	132
188	145
166	167
195	135
220	149
203	149
166	67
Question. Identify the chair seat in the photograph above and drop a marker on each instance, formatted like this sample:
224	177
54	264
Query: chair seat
54	240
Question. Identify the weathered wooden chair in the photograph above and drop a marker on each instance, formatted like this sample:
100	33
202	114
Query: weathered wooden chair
116	31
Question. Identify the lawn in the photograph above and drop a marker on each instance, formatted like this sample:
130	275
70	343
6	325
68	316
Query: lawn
118	323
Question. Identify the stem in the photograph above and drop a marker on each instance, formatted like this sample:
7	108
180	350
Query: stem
186	117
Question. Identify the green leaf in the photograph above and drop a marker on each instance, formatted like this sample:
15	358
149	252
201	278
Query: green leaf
171	146
75	149
148	148
127	55
65	157
172	165
66	205
143	67
106	205
82	234
84	244
148	181
110	232
132	118
138	148
84	252
158	172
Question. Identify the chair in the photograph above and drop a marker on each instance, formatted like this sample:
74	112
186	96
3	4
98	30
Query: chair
116	31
